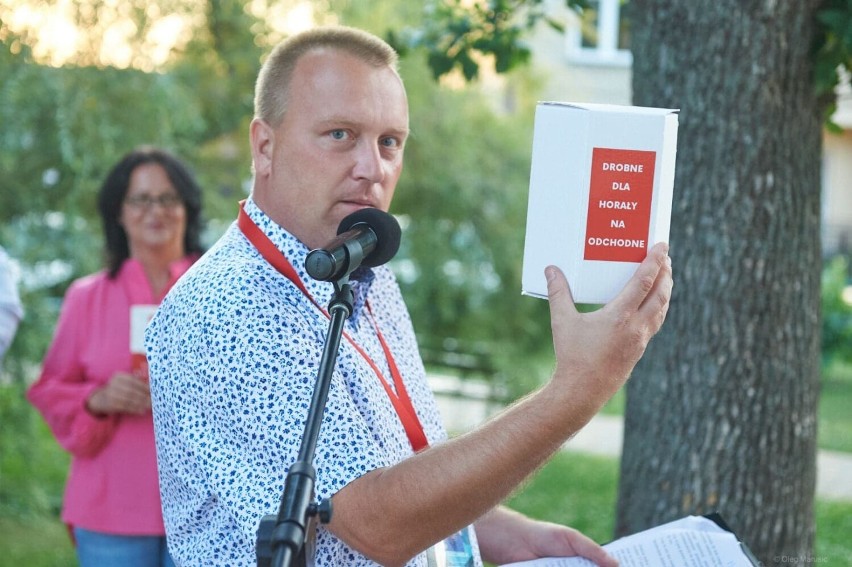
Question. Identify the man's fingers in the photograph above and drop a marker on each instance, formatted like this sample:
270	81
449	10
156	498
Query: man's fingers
584	546
657	301
643	282
559	294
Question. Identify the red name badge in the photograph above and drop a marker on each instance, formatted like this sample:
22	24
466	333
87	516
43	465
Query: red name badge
140	316
620	190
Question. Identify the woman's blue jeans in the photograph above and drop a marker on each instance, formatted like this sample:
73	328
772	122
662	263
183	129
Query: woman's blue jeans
96	549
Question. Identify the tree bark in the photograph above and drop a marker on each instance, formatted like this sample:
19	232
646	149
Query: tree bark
721	412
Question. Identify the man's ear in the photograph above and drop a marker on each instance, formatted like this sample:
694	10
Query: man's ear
262	139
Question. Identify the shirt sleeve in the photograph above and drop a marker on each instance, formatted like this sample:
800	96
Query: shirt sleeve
61	391
11	310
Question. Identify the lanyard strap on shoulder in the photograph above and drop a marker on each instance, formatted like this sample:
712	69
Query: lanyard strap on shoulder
399	398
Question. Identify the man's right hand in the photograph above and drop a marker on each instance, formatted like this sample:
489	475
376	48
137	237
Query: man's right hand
596	352
421	495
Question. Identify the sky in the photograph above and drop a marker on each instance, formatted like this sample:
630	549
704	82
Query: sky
102	32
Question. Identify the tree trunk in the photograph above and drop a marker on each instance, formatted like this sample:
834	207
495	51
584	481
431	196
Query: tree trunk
721	412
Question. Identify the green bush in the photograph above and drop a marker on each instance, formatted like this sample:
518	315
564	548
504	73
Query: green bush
836	313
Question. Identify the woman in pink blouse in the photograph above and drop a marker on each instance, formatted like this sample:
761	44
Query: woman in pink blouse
93	389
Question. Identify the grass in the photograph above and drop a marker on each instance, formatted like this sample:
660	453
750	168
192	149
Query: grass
577	490
40	541
32	475
834	432
833	530
573	489
835	416
580	491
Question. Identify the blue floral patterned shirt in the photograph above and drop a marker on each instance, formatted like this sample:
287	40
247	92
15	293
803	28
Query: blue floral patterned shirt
233	352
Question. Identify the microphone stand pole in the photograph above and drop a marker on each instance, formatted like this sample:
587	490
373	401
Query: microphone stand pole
281	538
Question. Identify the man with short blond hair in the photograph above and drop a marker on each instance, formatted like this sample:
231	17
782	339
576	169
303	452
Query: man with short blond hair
234	348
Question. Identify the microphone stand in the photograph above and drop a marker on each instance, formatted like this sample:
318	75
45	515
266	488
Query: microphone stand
281	538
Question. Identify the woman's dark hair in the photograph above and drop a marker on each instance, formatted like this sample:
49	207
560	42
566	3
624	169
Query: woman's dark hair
114	189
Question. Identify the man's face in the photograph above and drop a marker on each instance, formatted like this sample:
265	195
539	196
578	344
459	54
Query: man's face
338	149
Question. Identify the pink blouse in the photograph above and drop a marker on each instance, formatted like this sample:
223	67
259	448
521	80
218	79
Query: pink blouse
112	485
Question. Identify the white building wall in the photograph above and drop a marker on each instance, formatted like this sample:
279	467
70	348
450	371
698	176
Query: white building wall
837	192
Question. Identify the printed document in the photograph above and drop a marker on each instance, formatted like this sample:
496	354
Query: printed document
693	541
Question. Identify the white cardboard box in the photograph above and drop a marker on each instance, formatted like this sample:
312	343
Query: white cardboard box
600	194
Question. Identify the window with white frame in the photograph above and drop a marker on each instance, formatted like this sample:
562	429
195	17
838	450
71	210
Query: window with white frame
600	35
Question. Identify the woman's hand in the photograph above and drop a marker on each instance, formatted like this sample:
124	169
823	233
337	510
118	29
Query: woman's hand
124	393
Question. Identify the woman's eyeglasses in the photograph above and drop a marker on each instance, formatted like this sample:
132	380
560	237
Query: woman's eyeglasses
146	202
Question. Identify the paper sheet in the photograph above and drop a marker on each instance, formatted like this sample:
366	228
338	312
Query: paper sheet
693	541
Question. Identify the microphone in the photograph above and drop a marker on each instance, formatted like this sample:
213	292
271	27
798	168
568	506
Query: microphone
367	237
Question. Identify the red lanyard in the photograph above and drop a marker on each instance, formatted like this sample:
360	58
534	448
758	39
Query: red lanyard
400	399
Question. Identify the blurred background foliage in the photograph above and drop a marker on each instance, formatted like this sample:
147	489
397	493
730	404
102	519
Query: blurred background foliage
462	198
836	312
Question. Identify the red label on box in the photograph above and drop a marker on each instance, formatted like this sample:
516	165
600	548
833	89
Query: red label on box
620	191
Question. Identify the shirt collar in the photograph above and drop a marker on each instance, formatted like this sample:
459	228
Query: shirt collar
296	252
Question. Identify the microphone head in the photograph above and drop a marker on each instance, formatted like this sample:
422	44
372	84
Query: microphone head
386	229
